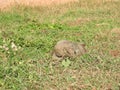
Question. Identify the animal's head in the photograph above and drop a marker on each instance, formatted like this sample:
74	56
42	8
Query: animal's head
82	48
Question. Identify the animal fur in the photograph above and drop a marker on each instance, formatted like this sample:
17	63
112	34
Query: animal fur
69	49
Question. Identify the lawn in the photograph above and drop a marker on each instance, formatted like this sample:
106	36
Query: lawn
28	35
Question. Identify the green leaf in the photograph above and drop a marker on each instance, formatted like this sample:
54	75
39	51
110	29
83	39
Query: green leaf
66	63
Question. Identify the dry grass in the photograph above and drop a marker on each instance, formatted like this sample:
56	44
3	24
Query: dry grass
4	4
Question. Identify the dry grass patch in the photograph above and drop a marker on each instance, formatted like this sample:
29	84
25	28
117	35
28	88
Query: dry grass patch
78	21
116	31
5	4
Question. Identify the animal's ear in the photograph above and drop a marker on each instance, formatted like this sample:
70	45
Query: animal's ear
83	44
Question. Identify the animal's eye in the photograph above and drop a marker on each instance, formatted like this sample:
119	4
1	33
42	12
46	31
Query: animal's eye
75	52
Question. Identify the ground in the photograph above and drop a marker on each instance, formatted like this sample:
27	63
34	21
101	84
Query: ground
5	4
28	34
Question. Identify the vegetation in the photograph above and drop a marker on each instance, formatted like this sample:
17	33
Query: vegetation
27	36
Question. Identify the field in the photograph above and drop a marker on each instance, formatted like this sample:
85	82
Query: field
28	34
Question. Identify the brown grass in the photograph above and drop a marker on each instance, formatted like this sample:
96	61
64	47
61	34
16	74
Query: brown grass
4	4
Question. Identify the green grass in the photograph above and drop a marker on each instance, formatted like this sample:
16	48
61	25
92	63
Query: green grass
34	31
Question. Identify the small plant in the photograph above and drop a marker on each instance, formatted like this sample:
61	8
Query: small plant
66	63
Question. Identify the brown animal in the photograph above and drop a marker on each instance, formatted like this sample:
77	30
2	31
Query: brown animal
69	49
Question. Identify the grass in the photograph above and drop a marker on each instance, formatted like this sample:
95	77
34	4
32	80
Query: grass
27	35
